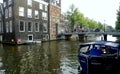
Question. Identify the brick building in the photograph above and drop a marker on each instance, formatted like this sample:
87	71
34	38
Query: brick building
55	16
25	21
30	20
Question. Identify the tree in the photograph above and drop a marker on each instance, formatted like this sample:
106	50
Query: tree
80	19
71	16
118	20
77	18
100	25
110	28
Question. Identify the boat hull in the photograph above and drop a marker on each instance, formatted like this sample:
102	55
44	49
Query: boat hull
99	64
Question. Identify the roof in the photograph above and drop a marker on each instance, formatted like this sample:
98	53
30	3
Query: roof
106	43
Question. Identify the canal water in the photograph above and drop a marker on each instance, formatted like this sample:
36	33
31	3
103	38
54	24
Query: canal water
54	57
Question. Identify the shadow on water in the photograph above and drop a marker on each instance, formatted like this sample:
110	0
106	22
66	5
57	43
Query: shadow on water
55	57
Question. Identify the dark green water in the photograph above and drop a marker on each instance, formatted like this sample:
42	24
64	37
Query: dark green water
55	57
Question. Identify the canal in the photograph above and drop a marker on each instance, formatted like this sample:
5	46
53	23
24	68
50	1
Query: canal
54	57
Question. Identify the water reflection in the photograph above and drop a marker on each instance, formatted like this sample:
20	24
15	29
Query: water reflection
55	57
109	38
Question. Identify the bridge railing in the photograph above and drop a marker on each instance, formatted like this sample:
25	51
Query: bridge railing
107	33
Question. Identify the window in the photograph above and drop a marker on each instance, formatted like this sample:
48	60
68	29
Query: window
7	27
46	7
30	2
44	15
0	16
0	27
30	37
9	2
54	29
10	11
29	13
21	11
41	6
30	26
54	2
45	27
4	4
36	14
58	1
37	27
21	26
45	37
10	26
6	13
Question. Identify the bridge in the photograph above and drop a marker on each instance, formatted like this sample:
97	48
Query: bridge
82	35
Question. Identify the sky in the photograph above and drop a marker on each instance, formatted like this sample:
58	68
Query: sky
1	1
103	11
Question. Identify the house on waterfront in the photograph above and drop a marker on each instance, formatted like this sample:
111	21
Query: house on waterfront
30	20
54	18
1	21
25	21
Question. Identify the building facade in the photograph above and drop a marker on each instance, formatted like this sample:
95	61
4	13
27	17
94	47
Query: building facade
30	20
1	21
54	17
25	21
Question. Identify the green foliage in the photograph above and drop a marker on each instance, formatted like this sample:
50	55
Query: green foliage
77	18
118	20
72	15
109	28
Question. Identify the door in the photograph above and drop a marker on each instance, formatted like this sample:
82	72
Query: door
30	37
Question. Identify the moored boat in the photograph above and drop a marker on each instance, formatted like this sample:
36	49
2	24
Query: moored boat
99	57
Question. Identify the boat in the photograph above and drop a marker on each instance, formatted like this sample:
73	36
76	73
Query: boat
99	57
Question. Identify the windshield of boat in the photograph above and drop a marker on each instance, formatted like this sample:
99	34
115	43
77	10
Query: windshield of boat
84	49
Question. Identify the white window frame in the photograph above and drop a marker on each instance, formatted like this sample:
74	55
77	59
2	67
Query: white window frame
9	2
36	14
6	13
44	15
0	27
46	8
7	27
21	11
10	11
11	26
29	13
0	16
58	1
23	26
4	4
45	37
30	35
29	2
45	26
31	28
54	2
41	6
36	28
